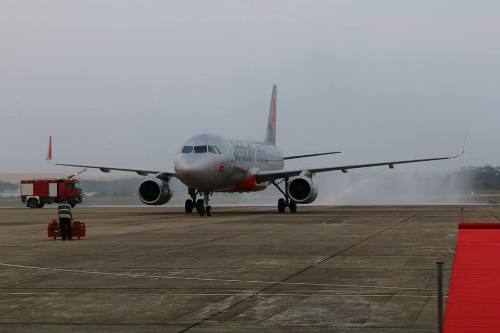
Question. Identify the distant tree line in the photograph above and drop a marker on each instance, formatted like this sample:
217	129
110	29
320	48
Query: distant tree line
481	179
7	187
476	179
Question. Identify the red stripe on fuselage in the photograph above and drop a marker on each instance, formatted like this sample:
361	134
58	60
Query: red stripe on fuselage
249	185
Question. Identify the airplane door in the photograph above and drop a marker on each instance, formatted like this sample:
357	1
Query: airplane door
229	148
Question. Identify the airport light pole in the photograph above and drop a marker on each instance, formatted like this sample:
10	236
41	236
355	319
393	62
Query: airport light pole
439	266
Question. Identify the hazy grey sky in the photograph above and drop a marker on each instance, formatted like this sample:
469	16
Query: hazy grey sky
124	83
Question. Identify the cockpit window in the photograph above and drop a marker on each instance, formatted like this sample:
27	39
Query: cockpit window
187	149
211	150
217	151
200	149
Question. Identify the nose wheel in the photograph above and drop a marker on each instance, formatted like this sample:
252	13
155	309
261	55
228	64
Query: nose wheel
203	204
285	202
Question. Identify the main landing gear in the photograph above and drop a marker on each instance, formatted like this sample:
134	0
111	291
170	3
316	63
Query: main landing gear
202	205
285	202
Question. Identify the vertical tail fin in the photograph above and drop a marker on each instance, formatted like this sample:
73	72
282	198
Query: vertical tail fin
271	123
49	153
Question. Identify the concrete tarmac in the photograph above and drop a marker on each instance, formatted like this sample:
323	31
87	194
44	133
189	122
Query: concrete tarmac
323	269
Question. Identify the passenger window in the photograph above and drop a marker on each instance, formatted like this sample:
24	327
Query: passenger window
217	151
200	149
211	150
69	186
187	149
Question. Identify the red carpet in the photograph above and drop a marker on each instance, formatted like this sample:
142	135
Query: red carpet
474	298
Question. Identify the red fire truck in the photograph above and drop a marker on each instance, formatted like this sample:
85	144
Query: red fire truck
35	193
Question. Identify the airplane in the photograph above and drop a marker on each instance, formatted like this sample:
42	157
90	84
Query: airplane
208	163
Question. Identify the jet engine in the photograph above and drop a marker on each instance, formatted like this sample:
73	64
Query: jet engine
155	191
302	190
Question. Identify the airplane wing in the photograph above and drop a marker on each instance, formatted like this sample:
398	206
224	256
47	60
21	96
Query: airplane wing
310	155
264	176
141	172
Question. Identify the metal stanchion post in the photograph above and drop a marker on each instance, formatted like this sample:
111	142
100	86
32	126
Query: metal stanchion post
439	266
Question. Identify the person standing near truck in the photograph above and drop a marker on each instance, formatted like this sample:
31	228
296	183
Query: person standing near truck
65	217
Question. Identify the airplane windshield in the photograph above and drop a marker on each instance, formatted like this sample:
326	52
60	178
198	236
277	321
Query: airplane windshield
200	149
213	150
187	149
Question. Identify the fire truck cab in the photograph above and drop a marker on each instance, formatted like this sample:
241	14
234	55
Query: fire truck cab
35	193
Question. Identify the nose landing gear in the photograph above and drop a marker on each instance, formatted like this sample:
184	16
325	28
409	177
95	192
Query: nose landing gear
202	205
285	202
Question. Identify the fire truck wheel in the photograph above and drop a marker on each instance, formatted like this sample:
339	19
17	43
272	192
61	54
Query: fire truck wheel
72	205
40	205
32	203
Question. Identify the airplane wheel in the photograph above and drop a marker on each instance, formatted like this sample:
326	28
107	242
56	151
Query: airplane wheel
293	207
202	210
199	205
209	210
281	205
188	206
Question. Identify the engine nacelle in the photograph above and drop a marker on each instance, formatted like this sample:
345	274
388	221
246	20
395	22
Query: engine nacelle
302	190
155	191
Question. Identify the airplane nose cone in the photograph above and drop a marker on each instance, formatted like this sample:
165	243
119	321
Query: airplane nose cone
193	171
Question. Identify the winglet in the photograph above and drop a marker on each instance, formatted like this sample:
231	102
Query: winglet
463	147
49	153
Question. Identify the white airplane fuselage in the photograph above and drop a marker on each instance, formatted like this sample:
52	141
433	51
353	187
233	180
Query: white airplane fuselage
213	162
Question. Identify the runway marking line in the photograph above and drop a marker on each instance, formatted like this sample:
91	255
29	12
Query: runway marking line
216	294
81	271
